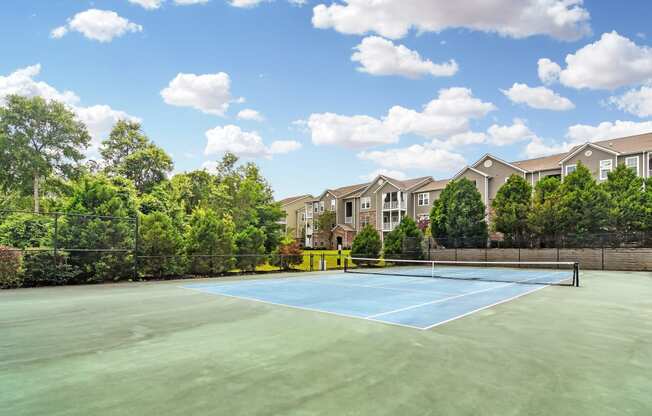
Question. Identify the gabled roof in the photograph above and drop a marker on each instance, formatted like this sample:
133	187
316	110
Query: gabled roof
540	163
458	174
403	185
578	149
630	144
486	155
345	190
433	186
291	199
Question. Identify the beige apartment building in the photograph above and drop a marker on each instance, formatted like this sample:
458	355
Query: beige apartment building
384	201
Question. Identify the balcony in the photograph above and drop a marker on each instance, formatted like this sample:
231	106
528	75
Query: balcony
308	214
394	205
389	226
348	220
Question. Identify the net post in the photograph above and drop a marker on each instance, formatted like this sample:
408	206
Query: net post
346	264
576	274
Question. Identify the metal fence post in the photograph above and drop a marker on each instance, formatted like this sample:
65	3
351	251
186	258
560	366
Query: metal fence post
55	242
137	232
312	262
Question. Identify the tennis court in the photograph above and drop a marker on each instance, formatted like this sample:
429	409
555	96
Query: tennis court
415	294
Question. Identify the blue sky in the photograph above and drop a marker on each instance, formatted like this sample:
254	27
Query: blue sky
188	70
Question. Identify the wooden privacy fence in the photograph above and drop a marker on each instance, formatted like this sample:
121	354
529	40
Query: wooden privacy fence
630	259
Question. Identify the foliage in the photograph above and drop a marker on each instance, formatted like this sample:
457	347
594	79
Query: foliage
404	241
38	138
22	230
458	216
44	269
512	207
250	251
583	206
10	268
161	244
210	242
129	153
544	217
325	223
628	199
287	254
367	243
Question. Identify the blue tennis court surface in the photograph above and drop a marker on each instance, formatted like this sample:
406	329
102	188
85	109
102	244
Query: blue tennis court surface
416	302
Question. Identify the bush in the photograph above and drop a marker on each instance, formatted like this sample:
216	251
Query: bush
250	244
210	242
404	242
287	254
161	244
10	268
367	243
43	269
25	230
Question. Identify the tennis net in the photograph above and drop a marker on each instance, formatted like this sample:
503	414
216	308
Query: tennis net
531	273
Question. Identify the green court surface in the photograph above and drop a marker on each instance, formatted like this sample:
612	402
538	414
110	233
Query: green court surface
157	349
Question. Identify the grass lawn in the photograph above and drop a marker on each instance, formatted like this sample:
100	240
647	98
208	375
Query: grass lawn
155	348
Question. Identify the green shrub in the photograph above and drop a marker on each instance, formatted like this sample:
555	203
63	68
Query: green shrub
25	230
404	242
250	244
210	242
10	268
366	243
161	244
287	254
44	269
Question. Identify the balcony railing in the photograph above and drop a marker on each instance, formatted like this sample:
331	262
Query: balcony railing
389	226
308	214
394	205
348	220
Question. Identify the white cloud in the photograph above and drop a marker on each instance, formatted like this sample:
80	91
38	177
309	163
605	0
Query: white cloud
249	114
21	82
612	61
561	19
548	71
421	157
378	56
442	118
396	174
507	135
248	4
637	102
208	93
461	139
537	148
189	2
99	119
580	133
540	98
349	131
148	4
100	25
232	139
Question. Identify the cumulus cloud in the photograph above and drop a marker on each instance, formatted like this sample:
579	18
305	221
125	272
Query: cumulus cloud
99	119
391	173
231	138
148	4
189	2
378	56
507	135
560	19
541	98
442	119
249	114
537	147
635	101
422	157
248	4
209	93
548	70
612	61
99	25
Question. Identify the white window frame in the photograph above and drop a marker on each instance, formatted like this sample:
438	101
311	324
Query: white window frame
321	206
567	167
603	168
423	199
332	205
364	221
315	207
365	202
636	158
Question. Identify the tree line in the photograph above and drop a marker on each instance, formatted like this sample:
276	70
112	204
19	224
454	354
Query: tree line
197	222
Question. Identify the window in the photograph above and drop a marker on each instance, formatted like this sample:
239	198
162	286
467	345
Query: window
605	168
365	202
570	169
315	207
321	206
632	163
332	205
423	199
364	221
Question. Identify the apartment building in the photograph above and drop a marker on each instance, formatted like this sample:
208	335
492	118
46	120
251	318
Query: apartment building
384	201
295	215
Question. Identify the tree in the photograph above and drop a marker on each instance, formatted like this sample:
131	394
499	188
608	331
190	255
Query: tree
404	241
25	231
583	206
210	242
38	138
544	217
250	250
512	207
287	254
367	243
325	224
459	215
627	196
161	244
129	153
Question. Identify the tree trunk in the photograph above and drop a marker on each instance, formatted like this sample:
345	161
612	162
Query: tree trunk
37	205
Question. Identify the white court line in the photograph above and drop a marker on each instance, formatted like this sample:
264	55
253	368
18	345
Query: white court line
304	308
451	297
385	288
484	307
